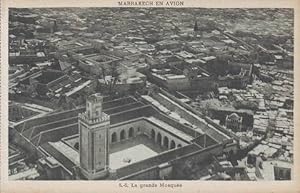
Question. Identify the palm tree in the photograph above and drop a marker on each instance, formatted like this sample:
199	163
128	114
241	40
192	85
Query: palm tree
103	72
115	77
62	102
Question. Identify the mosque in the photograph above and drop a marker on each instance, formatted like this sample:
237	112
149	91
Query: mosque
118	139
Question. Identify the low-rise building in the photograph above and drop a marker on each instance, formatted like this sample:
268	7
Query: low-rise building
234	122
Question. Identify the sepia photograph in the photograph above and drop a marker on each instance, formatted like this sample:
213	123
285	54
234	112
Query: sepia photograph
151	94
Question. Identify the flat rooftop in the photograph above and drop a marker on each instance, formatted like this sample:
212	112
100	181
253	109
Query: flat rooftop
49	76
268	172
95	58
67	151
18	112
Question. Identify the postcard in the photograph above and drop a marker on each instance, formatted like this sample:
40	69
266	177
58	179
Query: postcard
149	96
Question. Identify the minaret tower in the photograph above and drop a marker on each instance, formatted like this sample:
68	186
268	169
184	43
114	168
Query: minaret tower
93	136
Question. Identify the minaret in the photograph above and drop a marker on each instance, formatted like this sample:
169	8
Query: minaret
93	133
